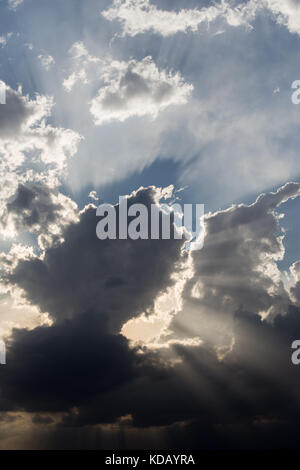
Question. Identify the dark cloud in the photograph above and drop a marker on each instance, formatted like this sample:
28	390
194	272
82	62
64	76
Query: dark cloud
73	277
229	403
90	288
60	367
137	89
237	389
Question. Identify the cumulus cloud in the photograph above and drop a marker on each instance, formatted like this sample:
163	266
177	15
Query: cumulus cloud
40	210
30	149
32	210
4	38
46	60
137	89
236	269
295	288
86	67
95	273
90	288
93	195
134	88
286	12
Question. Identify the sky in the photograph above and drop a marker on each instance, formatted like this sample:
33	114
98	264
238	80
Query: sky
124	344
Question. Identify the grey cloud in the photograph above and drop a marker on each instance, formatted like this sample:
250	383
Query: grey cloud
37	208
236	268
247	393
135	271
295	289
14	114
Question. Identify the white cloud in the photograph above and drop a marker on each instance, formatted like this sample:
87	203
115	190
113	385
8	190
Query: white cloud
46	60
138	16
93	195
134	88
84	66
4	38
137	89
33	155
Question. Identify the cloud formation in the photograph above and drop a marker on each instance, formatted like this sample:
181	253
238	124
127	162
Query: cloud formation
31	150
139	16
95	273
133	88
286	12
137	89
90	288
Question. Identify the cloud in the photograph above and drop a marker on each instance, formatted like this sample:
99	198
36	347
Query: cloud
249	391
13	4
295	289
50	284
32	210
96	361
38	209
46	60
134	88
236	269
139	16
31	150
